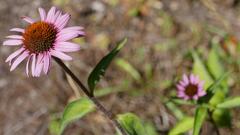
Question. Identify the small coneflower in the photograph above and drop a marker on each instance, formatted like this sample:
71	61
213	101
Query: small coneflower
190	87
41	40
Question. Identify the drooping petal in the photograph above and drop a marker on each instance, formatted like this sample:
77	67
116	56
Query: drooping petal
33	64
12	42
46	63
27	66
19	60
180	87
39	65
28	19
60	55
14	54
15	37
42	14
18	30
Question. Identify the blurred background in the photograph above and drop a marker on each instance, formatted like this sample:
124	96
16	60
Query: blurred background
160	34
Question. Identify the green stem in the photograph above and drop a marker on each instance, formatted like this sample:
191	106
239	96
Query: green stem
100	107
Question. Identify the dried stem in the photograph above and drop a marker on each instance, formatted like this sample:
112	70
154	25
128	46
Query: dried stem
100	107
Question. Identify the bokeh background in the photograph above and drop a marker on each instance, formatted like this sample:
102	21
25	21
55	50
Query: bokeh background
160	34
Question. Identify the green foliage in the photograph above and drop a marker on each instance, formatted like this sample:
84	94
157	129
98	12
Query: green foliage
74	111
199	119
175	110
200	70
213	63
182	126
230	103
101	67
126	66
222	117
54	127
132	124
215	66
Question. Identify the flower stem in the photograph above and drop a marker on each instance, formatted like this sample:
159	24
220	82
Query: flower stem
100	107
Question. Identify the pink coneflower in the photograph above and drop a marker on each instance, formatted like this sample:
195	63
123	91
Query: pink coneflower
190	87
42	39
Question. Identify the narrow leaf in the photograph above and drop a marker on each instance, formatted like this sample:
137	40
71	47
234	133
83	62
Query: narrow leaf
199	119
125	65
76	110
182	126
230	103
132	124
101	67
175	110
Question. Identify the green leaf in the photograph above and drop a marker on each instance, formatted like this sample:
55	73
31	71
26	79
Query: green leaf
54	127
125	65
150	129
132	124
76	110
200	70
199	119
182	126
218	82
217	98
101	67
222	117
175	110
230	103
215	66
213	63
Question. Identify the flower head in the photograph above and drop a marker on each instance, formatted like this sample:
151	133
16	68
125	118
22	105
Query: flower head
190	87
41	40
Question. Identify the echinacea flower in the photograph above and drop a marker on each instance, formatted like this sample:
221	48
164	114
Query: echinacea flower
190	87
41	40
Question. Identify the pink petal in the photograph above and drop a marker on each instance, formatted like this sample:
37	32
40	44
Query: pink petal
42	14
58	13
12	42
201	93
185	78
62	21
192	79
66	37
67	47
46	63
33	64
60	55
39	65
13	55
181	94
195	97
27	66
180	88
17	30
28	19
51	14
19	60
186	97
15	37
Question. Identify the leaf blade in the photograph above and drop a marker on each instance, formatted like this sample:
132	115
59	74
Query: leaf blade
199	119
101	67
